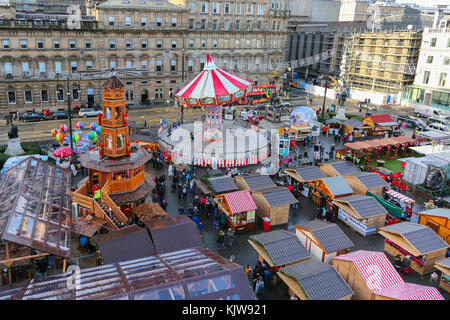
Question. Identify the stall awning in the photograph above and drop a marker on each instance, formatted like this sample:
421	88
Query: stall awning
240	201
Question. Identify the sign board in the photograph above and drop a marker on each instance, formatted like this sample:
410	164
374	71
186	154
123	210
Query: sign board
305	191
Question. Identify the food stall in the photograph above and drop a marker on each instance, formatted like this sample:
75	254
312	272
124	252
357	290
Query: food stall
380	124
239	208
254	181
328	189
303	175
437	219
421	243
444	267
355	127
338	168
366	181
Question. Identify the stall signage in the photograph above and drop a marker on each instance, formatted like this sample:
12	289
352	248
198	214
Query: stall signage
305	191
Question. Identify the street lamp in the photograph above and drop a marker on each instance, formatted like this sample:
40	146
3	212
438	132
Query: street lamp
182	82
69	111
324	98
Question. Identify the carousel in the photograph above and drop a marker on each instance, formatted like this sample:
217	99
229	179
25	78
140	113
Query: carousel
214	142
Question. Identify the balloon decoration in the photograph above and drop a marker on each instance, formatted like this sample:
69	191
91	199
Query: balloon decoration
93	126
79	125
99	130
76	137
60	137
55	132
63	128
92	135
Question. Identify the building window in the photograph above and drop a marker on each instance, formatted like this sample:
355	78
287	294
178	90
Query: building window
261	9
59	94
112	64
203	43
433	42
260	25
238	9
129	95
203	21
191	24
127	21
426	77
88	64
192	7
57	67
214	43
174	22
8	68
274	23
226	25
159	66
190	65
448	43
216	7
174	44
28	96
143	22
111	21
190	43
11	97
23	44
144	44
72	44
25	67
40	44
44	95
226	43
258	43
158	93
278	25
249	25
430	59
238	24
75	94
442	79
87	44
173	65
73	66
170	93
42	67
214	24
128	64
5	44
237	44
144	64
112	44
446	61
128	44
227	8
159	44
204	7
249	8
158	22
56	44
236	64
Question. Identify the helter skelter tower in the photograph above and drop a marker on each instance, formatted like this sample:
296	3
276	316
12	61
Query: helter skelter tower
211	89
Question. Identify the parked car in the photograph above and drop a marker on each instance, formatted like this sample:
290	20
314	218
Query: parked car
411	122
441	121
89	113
428	111
29	117
60	115
438	127
368	106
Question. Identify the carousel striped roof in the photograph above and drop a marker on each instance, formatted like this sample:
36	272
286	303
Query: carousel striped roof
213	86
113	83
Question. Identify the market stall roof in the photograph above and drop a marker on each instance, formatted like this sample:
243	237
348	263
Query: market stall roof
343	167
334	120
222	184
414	238
443	265
213	86
381	118
388	124
315	280
84	227
125	244
400	196
327	234
279	247
305	173
35	206
257	181
438	212
411	291
277	196
370	179
382	142
434	135
362	206
355	123
147	212
434	149
337	185
240	201
137	194
186	274
174	233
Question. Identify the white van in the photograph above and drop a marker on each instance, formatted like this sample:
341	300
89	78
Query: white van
437	127
428	111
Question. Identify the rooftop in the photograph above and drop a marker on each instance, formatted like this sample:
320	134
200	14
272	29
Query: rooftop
365	206
337	185
257	181
278	196
222	184
240	201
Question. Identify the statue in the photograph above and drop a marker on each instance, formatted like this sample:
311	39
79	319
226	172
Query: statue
14	132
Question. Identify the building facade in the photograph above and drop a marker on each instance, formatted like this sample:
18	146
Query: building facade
432	82
166	41
354	10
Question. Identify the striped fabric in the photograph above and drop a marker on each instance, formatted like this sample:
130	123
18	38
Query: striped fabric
400	196
378	272
427	294
240	201
213	86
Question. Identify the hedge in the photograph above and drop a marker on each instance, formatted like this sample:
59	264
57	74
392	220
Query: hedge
29	148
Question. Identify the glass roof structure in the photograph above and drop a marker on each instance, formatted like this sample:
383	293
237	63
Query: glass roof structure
185	274
35	206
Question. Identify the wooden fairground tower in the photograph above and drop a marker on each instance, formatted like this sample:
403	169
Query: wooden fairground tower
115	168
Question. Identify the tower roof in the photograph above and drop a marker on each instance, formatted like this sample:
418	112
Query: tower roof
113	83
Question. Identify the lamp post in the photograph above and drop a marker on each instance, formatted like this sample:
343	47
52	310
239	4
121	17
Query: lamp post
324	98
69	110
182	82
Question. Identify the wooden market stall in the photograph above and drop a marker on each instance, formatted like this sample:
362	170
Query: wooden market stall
222	184
355	127
239	208
366	181
325	190
421	243
362	213
303	175
323	240
380	124
312	279
278	248
338	168
334	125
274	203
357	269
438	219
444	267
254	181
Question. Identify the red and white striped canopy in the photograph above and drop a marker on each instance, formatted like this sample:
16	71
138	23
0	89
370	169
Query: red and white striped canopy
400	196
213	86
240	201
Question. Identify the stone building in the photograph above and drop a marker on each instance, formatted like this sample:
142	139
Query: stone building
165	40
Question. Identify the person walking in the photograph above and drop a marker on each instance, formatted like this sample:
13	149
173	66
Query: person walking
164	205
216	218
181	210
170	171
184	191
259	288
221	240
230	237
192	186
